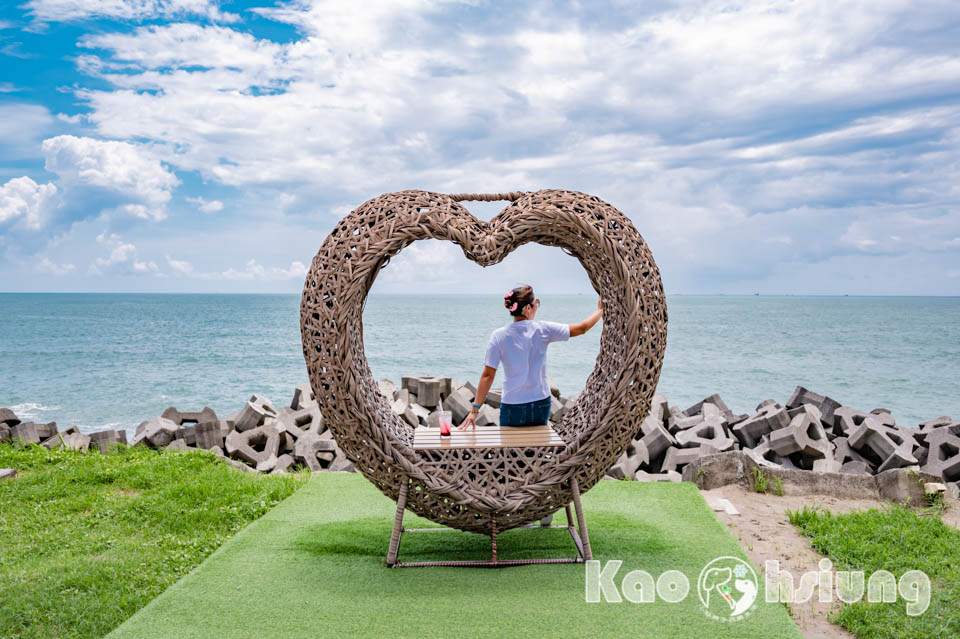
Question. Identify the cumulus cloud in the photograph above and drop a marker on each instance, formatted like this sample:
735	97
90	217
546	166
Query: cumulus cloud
122	258
206	206
296	270
47	266
120	252
110	176
72	10
25	203
427	260
94	178
181	267
252	270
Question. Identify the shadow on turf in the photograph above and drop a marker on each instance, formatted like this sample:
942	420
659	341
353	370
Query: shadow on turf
611	536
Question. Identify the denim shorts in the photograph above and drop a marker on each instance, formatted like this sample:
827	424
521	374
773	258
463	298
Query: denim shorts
526	414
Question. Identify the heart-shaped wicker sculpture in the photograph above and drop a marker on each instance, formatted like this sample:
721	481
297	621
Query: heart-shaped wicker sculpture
470	489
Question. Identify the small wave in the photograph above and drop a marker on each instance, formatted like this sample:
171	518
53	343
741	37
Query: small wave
93	428
31	409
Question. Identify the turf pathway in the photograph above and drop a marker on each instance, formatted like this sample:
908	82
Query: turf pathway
313	566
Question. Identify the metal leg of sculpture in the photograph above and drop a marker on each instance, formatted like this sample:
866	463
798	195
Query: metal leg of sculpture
576	527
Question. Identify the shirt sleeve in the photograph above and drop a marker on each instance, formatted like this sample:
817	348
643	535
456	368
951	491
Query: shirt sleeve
556	332
492	356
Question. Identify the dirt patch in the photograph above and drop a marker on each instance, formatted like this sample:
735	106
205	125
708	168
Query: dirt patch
124	492
765	533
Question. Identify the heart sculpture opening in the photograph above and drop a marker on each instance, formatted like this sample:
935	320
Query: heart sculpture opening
477	489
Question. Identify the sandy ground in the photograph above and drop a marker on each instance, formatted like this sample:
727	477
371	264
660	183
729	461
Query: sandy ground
765	533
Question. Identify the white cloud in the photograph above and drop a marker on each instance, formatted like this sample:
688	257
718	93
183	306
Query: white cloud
47	266
902	230
296	270
344	23
145	267
184	44
425	261
25	202
773	132
120	252
71	10
122	258
122	177
206	206
181	267
360	100
252	270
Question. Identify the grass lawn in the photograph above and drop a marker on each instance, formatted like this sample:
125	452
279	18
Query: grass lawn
895	539
87	539
313	567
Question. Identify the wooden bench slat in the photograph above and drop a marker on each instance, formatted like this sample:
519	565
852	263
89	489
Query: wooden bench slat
457	433
451	445
493	438
533	440
493	435
508	430
488	437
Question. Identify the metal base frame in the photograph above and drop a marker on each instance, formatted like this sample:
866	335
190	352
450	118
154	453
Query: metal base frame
579	534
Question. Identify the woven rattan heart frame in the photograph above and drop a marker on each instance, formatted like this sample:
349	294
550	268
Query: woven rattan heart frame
469	489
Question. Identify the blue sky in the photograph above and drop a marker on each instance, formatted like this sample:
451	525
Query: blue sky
195	145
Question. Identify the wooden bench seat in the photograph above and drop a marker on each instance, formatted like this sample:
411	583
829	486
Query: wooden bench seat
488	437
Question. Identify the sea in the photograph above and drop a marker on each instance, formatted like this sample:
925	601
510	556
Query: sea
102	361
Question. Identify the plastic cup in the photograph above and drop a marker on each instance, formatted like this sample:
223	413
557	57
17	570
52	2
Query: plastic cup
446	422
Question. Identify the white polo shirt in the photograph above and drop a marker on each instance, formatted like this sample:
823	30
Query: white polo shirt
522	349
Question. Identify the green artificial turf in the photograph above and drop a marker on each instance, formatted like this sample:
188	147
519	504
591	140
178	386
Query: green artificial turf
898	540
314	567
87	539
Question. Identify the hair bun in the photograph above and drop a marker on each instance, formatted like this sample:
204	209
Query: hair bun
517	299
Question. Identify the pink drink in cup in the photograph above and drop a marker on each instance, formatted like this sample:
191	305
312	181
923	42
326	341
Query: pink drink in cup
446	421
